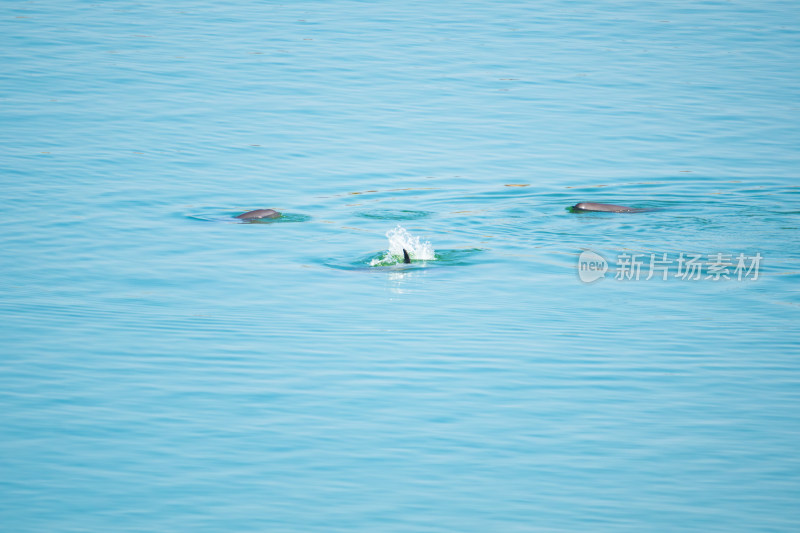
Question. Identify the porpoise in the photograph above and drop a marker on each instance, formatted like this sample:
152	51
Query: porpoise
604	208
258	214
406	258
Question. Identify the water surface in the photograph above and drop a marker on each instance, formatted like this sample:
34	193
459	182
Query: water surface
164	367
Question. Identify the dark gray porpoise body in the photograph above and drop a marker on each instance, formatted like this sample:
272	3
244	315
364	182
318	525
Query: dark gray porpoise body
605	208
259	214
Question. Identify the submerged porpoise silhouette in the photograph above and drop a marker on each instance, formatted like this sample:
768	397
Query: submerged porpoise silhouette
259	214
605	208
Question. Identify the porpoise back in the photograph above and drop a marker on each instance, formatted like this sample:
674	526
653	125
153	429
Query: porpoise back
604	208
258	214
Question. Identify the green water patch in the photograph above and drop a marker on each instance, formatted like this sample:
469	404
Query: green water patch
382	261
229	217
394	214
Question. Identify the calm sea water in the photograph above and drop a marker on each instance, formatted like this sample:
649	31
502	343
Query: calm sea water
165	368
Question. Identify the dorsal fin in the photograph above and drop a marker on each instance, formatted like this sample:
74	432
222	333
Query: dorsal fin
406	258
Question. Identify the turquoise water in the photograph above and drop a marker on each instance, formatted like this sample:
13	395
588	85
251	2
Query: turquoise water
166	368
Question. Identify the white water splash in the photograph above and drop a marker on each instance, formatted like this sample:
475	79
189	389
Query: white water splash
400	239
